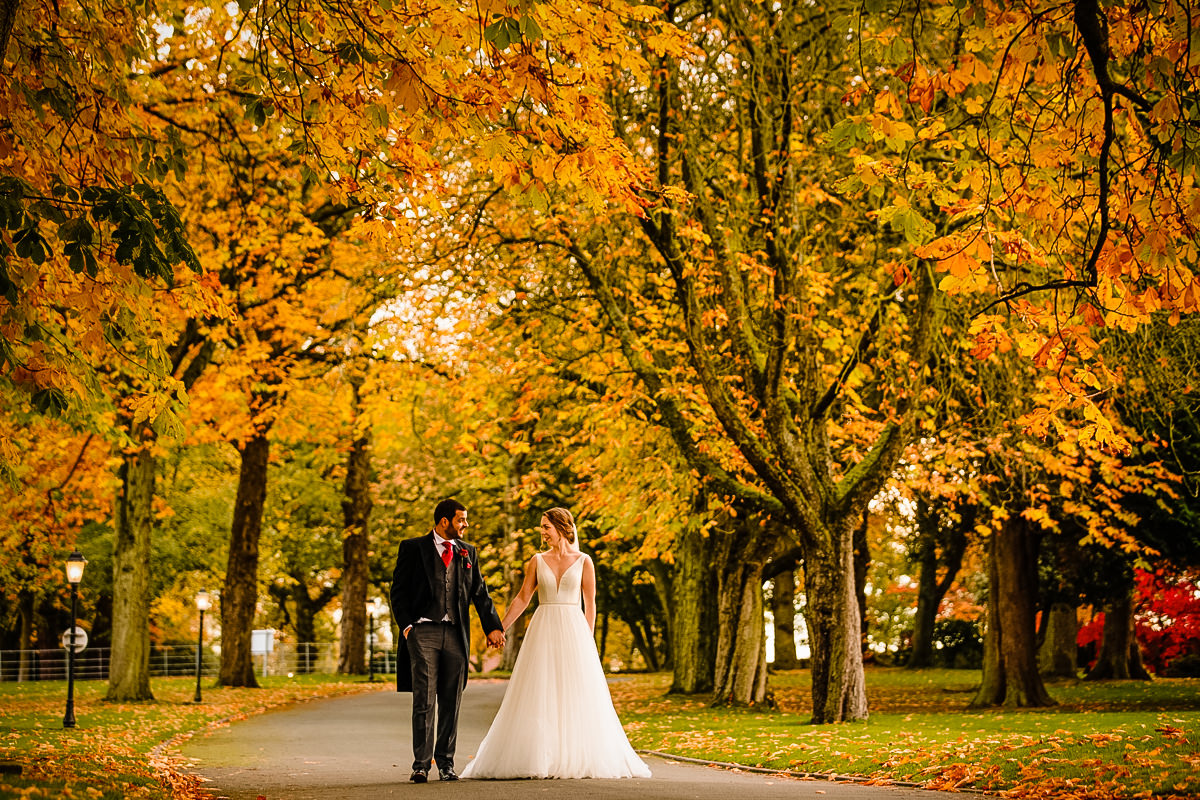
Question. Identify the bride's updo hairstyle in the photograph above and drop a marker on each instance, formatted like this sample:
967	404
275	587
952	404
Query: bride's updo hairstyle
564	523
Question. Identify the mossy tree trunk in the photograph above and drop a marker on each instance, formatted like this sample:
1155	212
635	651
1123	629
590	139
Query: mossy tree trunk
1010	673
783	614
839	684
740	667
692	612
129	669
239	597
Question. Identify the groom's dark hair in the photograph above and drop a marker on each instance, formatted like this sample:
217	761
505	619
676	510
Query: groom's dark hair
446	510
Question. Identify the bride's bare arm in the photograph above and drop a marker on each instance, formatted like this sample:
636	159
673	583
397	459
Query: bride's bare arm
521	602
589	592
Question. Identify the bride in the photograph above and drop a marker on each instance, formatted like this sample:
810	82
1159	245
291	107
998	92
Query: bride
557	718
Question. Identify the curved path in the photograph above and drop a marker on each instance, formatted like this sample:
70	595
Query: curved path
358	747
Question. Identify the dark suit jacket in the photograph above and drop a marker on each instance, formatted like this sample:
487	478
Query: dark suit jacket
413	588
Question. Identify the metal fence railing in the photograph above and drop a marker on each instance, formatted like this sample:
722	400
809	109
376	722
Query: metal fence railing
179	660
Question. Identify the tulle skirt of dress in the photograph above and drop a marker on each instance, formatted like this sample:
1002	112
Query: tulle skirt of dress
557	718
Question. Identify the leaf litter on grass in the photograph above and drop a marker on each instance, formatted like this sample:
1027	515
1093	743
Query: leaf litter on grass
115	752
1099	743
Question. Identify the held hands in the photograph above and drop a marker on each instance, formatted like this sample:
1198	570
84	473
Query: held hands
495	639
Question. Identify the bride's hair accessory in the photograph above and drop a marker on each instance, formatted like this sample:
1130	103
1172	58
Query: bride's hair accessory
564	523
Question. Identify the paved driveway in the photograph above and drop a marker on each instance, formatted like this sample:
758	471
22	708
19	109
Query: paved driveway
359	747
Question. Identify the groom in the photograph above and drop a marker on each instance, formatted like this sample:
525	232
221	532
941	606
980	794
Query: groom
436	577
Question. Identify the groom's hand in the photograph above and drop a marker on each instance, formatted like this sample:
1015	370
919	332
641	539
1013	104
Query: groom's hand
495	639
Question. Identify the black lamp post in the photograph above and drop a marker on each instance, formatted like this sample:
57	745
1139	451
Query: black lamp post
75	564
373	609
203	603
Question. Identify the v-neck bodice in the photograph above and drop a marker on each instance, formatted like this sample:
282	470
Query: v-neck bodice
566	590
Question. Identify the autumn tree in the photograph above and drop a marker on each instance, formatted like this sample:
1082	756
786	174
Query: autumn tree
1063	210
58	483
89	234
761	314
1067	142
1156	364
362	95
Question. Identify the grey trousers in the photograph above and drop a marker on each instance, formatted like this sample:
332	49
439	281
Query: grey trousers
438	665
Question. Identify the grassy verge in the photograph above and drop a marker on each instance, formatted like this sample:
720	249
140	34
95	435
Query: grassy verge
1117	739
110	755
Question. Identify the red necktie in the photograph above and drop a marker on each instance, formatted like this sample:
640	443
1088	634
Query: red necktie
447	554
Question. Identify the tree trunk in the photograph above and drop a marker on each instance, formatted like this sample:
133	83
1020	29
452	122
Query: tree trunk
643	642
862	566
239	599
356	544
305	628
928	601
305	608
693	614
1010	675
660	572
1057	656
740	677
783	612
839	689
950	534
1120	657
25	662
129	670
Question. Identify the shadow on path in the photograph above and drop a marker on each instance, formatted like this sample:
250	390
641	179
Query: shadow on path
359	747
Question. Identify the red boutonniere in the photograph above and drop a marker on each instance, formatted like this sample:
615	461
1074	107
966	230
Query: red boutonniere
462	553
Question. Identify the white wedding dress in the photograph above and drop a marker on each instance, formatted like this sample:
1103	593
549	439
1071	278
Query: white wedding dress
557	718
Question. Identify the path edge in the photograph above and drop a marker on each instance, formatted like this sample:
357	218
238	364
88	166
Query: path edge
825	776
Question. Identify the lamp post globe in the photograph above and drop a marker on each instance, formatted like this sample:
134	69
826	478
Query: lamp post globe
203	603
75	564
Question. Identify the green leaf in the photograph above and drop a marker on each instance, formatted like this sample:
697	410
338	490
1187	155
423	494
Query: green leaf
847	133
77	229
503	32
908	221
76	261
30	244
378	115
50	401
529	29
348	52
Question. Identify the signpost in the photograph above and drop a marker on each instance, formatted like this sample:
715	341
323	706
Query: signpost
80	640
262	643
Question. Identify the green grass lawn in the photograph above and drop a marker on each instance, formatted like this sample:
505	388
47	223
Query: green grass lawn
111	753
1113	739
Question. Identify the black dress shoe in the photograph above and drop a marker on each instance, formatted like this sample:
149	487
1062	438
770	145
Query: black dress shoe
447	774
419	776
